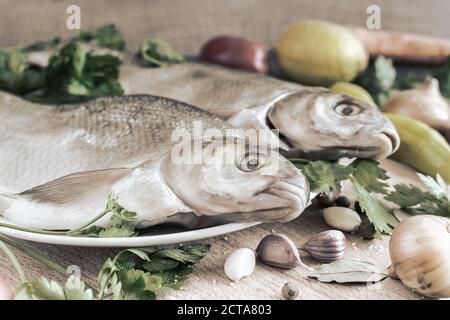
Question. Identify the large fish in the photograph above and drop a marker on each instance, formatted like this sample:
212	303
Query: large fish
311	122
60	163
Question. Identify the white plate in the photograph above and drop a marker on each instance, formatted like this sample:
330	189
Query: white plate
141	241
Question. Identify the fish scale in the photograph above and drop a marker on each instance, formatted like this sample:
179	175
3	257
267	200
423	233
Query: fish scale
218	90
105	133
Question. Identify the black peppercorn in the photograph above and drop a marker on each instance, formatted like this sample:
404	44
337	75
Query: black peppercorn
343	202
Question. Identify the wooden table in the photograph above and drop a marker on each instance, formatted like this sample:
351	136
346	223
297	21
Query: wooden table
186	27
209	281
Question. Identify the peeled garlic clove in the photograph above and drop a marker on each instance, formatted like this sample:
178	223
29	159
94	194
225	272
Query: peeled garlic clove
279	251
326	246
344	219
420	253
240	263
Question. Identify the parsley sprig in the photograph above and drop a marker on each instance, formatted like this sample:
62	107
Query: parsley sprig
368	177
123	224
73	74
106	36
142	273
156	52
413	200
365	175
133	274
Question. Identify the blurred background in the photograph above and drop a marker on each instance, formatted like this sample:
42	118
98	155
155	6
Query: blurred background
186	24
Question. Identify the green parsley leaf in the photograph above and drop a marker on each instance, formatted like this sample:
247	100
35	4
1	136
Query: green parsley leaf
157	52
44	289
369	175
408	196
437	186
75	289
142	273
323	175
412	200
40	289
74	74
106	36
378	79
16	75
132	285
378	215
42	45
160	264
123	222
365	175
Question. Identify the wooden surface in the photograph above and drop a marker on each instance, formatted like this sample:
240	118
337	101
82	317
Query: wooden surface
210	282
186	25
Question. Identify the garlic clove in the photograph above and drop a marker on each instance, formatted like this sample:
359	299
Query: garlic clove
326	246
419	249
240	263
344	219
279	251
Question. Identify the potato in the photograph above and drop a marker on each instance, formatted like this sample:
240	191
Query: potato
235	52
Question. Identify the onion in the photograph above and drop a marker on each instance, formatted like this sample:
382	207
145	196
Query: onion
420	253
424	103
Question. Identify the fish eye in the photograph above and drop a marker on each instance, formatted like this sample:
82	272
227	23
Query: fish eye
251	162
347	108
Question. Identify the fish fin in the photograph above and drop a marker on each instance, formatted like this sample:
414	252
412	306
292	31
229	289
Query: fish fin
74	186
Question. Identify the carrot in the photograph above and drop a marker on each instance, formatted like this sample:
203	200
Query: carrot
405	47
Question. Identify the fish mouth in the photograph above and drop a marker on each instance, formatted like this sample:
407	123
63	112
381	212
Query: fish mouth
334	153
387	142
393	140
297	196
283	201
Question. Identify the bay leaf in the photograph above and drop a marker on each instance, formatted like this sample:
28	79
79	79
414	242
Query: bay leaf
348	271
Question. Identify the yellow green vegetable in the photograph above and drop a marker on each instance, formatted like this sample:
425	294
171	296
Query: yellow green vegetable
352	90
422	147
317	52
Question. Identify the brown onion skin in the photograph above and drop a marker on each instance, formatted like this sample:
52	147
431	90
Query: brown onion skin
235	52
